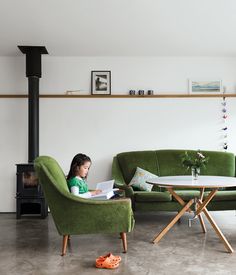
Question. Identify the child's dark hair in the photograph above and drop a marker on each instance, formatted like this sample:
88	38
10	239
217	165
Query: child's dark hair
78	160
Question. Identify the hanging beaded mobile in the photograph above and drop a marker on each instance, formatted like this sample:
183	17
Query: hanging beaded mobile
224	116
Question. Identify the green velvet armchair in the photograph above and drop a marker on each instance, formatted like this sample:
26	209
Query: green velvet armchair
74	215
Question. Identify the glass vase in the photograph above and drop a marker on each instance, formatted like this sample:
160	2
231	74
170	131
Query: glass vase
195	172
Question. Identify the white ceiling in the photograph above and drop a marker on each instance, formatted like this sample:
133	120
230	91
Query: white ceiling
120	27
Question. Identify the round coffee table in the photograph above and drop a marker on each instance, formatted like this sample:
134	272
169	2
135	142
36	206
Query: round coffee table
210	182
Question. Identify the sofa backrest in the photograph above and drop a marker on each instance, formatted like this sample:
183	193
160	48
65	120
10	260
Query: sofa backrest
168	163
129	161
219	164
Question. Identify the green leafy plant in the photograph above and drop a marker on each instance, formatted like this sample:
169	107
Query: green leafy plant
197	160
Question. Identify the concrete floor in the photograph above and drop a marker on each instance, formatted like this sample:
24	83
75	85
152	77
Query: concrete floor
32	246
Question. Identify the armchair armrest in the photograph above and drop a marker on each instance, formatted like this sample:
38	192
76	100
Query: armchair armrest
85	216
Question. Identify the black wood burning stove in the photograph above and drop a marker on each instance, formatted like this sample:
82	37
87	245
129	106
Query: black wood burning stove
29	196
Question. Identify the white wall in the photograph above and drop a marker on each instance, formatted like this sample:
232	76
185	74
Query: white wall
162	74
103	127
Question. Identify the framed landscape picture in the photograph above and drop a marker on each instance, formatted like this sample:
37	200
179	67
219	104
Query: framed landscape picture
213	86
101	82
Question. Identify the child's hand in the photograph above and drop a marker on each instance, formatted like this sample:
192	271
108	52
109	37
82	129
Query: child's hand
96	192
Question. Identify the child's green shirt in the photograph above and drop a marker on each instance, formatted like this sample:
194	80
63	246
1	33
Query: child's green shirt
80	183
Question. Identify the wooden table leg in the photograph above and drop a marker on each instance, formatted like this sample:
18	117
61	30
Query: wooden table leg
181	201
200	215
202	223
201	208
177	197
218	231
206	201
176	218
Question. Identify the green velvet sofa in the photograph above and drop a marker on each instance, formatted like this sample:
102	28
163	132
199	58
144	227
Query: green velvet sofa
168	163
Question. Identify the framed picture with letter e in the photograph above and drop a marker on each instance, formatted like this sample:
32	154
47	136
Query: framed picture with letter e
101	82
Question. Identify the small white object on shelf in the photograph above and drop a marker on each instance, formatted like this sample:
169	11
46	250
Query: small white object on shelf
74	92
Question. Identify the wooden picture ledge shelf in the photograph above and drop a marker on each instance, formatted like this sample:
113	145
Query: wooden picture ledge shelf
119	96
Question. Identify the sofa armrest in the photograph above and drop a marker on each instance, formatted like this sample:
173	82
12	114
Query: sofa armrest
119	179
129	192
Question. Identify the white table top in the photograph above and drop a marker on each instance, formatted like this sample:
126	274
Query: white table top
187	181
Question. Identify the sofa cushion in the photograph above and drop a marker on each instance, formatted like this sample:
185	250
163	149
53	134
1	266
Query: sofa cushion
142	196
139	180
187	195
129	161
223	195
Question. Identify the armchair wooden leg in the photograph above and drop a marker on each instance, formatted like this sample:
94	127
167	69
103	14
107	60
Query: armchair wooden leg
124	241
64	244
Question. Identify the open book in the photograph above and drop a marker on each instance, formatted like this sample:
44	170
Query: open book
107	190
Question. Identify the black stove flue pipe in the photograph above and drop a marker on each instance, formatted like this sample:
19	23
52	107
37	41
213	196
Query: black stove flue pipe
33	72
